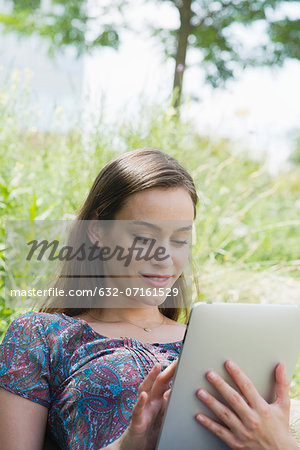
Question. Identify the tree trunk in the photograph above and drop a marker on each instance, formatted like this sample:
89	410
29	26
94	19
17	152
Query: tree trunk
184	31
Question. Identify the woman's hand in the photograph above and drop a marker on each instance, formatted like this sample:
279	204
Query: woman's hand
256	424
149	410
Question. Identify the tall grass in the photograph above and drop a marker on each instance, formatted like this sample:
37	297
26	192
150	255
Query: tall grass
247	228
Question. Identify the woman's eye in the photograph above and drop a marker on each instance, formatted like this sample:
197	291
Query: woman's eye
146	240
180	242
142	238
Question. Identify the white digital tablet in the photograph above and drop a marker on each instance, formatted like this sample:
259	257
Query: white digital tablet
257	337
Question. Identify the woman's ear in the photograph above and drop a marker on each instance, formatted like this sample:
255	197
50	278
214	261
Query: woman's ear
95	232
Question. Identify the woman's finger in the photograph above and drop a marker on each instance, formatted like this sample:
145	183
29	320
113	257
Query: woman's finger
246	386
148	382
167	395
161	384
160	414
165	400
282	387
221	432
227	416
137	412
232	397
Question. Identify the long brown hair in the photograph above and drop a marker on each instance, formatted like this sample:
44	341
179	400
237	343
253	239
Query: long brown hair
131	172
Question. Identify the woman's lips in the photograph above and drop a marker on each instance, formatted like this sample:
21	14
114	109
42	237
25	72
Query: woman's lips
156	280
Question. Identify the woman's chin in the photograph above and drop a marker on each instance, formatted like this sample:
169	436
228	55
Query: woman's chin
152	301
135	302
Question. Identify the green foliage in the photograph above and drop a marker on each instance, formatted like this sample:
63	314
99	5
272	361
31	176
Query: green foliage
26	5
214	28
287	34
63	24
295	156
247	241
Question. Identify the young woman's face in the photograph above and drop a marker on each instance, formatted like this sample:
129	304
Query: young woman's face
164	218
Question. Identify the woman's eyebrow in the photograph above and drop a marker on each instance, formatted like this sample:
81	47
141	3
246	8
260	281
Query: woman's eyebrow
187	228
156	227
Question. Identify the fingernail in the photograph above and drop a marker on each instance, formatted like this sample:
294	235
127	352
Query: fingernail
212	375
202	393
230	364
201	418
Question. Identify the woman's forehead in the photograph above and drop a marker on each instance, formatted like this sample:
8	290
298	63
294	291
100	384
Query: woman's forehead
160	225
158	204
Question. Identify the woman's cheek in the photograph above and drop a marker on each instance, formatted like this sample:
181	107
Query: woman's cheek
181	257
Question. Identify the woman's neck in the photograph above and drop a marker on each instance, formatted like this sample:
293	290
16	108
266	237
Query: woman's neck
138	315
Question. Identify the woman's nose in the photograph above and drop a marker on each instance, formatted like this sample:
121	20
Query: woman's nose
161	255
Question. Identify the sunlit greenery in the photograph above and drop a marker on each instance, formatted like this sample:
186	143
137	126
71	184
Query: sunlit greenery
213	29
247	228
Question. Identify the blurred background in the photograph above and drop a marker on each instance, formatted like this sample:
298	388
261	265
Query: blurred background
241	70
213	83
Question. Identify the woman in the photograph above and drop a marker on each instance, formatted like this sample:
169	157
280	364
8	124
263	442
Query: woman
99	377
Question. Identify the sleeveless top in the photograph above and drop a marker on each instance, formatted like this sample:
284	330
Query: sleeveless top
88	382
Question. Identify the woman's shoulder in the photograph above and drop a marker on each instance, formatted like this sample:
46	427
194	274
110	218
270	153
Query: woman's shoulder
23	321
25	358
36	323
36	317
51	336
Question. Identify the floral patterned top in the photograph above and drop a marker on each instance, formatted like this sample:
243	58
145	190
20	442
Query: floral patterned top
88	382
